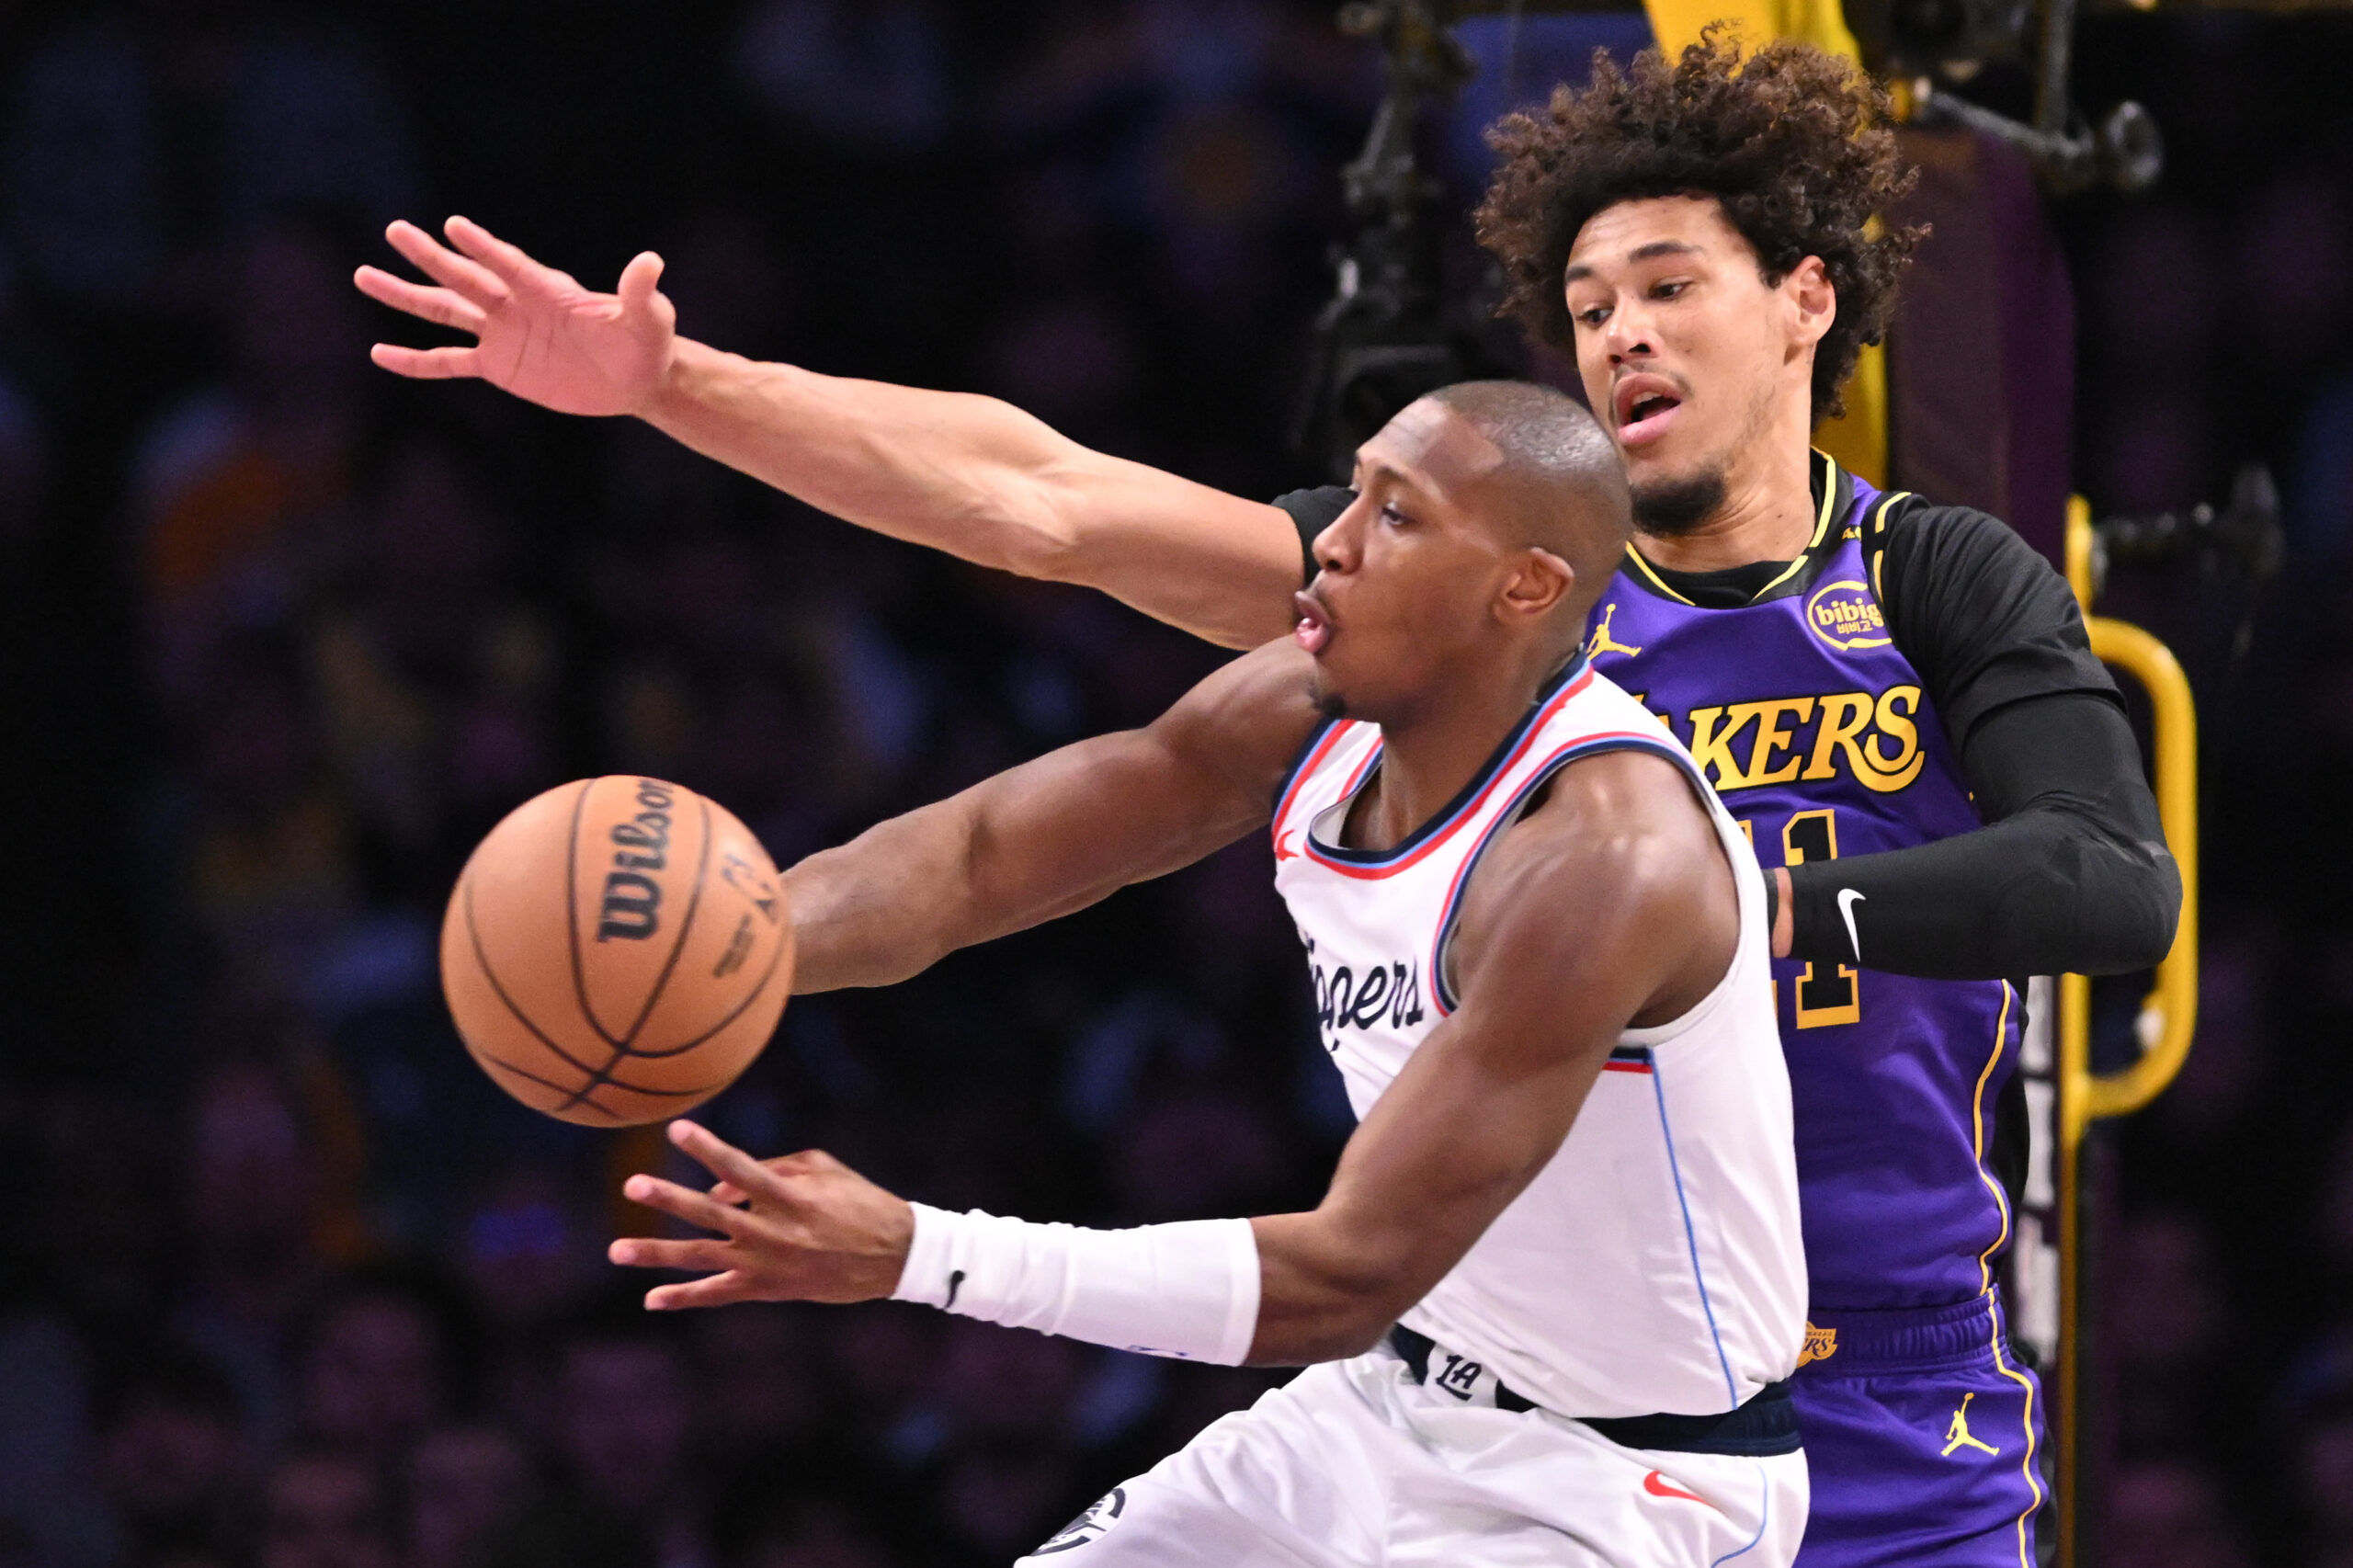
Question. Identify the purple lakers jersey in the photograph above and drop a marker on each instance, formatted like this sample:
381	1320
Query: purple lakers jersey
1813	728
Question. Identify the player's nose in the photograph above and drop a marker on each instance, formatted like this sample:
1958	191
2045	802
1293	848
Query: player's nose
1626	334
1337	548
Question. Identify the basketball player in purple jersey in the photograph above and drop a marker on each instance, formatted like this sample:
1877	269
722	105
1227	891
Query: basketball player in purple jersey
1897	698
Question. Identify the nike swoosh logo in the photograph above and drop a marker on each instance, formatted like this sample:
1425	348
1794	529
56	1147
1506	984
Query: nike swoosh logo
955	1283
1847	899
1657	1485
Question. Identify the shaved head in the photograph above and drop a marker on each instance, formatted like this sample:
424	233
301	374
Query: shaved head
1488	519
1557	481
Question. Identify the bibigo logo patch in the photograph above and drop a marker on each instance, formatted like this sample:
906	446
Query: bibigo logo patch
1845	616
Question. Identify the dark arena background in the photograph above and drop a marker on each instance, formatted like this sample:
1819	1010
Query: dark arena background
285	1283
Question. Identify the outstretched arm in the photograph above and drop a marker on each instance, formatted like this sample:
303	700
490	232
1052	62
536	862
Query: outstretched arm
1055	834
968	475
1611	904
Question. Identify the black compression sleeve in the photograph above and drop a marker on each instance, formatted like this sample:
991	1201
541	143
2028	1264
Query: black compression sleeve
2071	874
1311	511
1982	616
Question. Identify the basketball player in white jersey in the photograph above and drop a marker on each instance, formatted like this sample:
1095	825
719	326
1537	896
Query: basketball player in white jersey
1553	1295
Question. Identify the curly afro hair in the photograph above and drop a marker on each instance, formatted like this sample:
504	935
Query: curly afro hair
1797	144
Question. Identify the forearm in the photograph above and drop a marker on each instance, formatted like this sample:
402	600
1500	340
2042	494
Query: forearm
878	909
1054	835
965	474
907	893
981	479
2044	892
2072	875
1275	1292
1187	1289
1323	1293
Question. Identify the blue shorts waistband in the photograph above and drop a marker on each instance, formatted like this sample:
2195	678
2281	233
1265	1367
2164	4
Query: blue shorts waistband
1847	1342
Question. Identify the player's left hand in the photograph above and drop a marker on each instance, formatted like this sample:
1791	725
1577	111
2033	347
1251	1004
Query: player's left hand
801	1228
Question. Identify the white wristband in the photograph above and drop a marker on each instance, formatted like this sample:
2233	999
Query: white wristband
1190	1290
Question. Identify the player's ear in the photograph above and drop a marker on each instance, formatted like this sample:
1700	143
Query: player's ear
1537	582
1814	299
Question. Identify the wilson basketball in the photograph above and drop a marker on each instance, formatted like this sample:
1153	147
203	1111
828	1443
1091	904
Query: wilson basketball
617	951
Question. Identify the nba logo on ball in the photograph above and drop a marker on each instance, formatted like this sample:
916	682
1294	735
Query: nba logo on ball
1099	1517
617	951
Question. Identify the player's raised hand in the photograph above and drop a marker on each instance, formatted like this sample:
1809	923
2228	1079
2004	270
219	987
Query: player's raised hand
801	1228
538	333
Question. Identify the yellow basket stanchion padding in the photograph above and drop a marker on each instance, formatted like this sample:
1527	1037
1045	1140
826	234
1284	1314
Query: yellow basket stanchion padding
2079	551
2169	1015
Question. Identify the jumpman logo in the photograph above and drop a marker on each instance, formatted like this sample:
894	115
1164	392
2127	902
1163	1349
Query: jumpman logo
1602	641
1283	851
1957	1435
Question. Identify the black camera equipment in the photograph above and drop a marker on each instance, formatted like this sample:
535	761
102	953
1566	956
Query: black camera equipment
1390	333
2238	548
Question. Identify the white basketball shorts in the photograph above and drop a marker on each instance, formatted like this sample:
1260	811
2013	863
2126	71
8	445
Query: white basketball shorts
1353	1463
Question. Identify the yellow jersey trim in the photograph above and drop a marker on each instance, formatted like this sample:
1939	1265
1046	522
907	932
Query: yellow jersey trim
1821	528
1878	557
1977	1120
2025	1465
1820	531
1656	581
1985	1271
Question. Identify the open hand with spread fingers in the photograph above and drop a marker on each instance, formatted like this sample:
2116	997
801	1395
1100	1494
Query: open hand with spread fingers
539	334
798	1228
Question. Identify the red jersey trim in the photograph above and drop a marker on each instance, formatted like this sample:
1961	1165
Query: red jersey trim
1377	870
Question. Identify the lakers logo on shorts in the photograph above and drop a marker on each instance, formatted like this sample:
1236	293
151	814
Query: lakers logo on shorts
1100	1516
1821	1344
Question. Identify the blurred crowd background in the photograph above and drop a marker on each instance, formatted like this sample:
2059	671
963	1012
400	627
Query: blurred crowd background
284	1283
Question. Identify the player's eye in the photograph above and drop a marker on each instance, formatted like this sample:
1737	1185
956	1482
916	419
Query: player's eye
1592	316
1392	517
1669	288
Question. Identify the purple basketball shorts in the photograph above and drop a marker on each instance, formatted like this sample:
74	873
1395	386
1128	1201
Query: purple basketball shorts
1924	1438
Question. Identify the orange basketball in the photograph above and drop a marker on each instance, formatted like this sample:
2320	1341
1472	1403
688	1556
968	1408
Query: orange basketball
617	951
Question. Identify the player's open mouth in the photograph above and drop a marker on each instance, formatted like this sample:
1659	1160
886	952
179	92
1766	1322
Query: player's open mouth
1645	407
1314	629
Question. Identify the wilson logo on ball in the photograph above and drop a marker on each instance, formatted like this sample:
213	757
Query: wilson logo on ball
632	906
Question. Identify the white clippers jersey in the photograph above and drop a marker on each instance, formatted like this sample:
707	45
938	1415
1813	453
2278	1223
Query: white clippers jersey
1653	1264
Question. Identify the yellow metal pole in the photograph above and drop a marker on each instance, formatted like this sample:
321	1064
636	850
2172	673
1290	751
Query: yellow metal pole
2168	1014
2079	551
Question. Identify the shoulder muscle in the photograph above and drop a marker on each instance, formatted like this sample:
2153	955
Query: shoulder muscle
1614	892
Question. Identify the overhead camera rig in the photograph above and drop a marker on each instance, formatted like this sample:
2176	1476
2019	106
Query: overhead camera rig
1940	44
2237	548
1390	333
